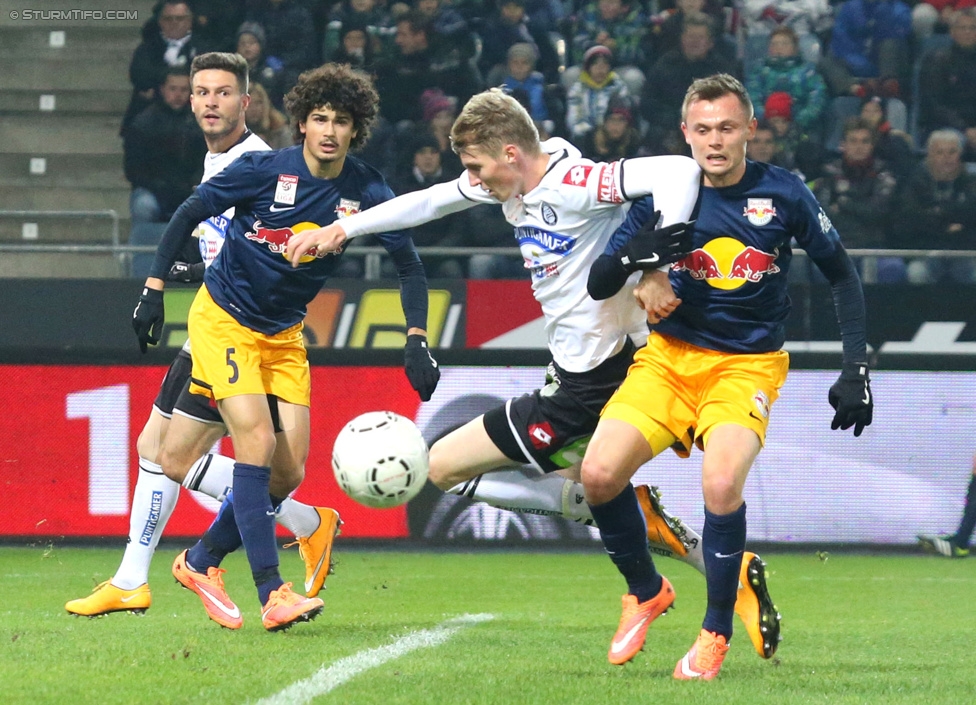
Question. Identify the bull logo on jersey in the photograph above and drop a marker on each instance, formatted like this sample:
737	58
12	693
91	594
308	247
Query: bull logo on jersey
548	214
759	211
725	263
346	208
276	239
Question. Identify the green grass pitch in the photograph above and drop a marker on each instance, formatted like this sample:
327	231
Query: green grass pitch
857	628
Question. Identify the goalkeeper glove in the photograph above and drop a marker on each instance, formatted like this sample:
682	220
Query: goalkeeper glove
148	317
186	273
652	248
851	398
421	367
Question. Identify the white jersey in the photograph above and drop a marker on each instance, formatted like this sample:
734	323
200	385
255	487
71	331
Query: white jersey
211	232
562	226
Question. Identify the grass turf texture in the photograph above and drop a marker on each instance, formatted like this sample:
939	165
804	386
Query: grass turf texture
858	629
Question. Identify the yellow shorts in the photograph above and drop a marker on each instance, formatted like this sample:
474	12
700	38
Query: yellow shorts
230	359
690	390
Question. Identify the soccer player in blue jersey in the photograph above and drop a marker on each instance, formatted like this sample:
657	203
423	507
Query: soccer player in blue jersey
714	363
245	324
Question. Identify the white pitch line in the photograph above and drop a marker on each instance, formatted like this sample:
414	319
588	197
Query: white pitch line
327	679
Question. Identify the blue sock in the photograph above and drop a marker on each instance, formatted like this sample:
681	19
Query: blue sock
723	541
624	535
221	538
256	521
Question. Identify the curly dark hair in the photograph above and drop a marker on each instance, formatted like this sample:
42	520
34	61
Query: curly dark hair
340	87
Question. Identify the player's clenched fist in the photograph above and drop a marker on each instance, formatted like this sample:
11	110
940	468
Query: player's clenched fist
148	317
323	240
851	398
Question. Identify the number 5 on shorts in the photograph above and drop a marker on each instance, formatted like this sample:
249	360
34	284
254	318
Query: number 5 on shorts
233	366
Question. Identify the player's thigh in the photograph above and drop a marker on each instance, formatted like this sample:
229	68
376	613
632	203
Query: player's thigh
656	398
186	441
616	450
291	448
464	453
248	420
739	389
548	428
226	355
151	437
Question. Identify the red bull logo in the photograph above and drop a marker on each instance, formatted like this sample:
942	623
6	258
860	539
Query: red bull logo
276	239
726	264
759	211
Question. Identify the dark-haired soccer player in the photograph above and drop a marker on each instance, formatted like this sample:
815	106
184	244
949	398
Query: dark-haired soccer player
714	364
245	324
185	426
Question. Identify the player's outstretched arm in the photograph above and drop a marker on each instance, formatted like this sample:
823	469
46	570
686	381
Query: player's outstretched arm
406	211
149	315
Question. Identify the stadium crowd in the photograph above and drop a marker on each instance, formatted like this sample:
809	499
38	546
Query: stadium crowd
872	102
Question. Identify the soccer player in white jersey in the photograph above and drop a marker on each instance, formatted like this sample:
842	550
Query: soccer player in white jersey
564	209
184	425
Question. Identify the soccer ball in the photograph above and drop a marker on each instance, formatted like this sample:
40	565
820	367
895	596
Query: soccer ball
380	459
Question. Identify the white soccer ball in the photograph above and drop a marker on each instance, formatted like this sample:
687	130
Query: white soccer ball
380	459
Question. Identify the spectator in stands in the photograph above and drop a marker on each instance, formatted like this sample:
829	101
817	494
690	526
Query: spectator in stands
367	16
619	25
511	25
215	23
806	18
451	37
618	136
357	47
785	70
893	146
937	211
935	16
290	34
795	149
263	70
669	78
664	33
589	96
266	121
522	76
439	112
163	155
412	69
425	169
858	193
869	48
947	88
167	42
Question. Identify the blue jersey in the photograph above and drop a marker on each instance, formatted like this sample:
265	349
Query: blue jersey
276	196
733	286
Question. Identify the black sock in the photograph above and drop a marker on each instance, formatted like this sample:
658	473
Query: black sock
723	541
624	535
968	523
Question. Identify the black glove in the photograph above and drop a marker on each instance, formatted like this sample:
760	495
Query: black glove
651	248
148	317
186	273
421	367
851	398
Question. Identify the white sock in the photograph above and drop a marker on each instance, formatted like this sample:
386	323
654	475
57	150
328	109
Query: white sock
153	501
552	495
212	474
300	519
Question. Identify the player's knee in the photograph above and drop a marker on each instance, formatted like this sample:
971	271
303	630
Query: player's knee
440	472
599	481
722	494
175	466
147	446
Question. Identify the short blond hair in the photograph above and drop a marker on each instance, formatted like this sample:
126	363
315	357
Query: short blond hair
714	87
492	119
